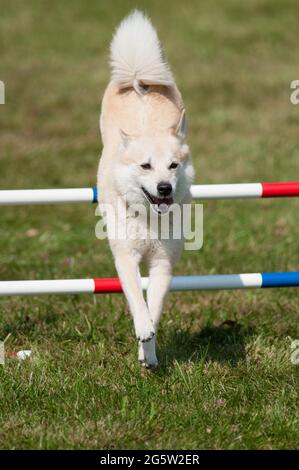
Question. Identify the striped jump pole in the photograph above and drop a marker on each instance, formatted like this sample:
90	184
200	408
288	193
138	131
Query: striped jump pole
201	191
179	283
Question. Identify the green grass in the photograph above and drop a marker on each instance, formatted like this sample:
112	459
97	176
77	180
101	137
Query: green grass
225	378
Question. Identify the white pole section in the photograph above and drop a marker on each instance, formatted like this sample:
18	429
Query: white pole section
65	286
45	196
220	281
227	191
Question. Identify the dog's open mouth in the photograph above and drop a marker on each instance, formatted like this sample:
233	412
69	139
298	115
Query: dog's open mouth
160	204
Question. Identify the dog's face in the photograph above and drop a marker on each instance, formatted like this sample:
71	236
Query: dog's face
154	170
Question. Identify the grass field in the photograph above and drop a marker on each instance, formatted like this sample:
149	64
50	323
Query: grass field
225	379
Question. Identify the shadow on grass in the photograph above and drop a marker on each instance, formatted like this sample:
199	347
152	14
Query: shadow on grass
225	343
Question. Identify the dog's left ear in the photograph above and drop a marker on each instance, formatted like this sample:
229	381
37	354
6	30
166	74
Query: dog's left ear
180	130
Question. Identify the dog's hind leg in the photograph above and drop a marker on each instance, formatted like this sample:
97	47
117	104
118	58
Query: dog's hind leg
159	280
128	270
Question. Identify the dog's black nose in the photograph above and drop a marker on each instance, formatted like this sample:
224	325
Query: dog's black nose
164	189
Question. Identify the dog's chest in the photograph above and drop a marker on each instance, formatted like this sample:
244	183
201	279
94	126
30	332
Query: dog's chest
148	238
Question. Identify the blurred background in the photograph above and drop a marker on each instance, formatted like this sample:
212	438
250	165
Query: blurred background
233	62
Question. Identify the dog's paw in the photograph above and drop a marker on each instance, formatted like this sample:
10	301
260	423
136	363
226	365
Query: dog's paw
147	354
151	366
145	335
145	331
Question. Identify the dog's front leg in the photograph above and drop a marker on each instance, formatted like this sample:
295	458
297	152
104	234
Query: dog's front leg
128	271
159	280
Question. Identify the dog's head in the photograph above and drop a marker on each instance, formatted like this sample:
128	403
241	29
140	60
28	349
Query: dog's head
155	169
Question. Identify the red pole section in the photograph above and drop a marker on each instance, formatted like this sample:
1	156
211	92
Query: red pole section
280	189
107	286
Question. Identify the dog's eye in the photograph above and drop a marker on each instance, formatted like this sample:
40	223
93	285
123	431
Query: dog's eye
173	166
146	166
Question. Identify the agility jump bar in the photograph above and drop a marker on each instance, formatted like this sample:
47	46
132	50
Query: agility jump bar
201	191
179	283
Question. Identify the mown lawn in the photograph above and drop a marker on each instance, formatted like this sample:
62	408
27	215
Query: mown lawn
225	379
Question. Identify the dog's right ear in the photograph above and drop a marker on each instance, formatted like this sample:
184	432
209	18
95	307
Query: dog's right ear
180	130
125	138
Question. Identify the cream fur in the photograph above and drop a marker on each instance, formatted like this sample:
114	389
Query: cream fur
142	121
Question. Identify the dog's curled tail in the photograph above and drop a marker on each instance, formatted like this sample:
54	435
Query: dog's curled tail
136	56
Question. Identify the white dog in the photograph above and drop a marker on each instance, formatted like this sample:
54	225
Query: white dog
145	161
